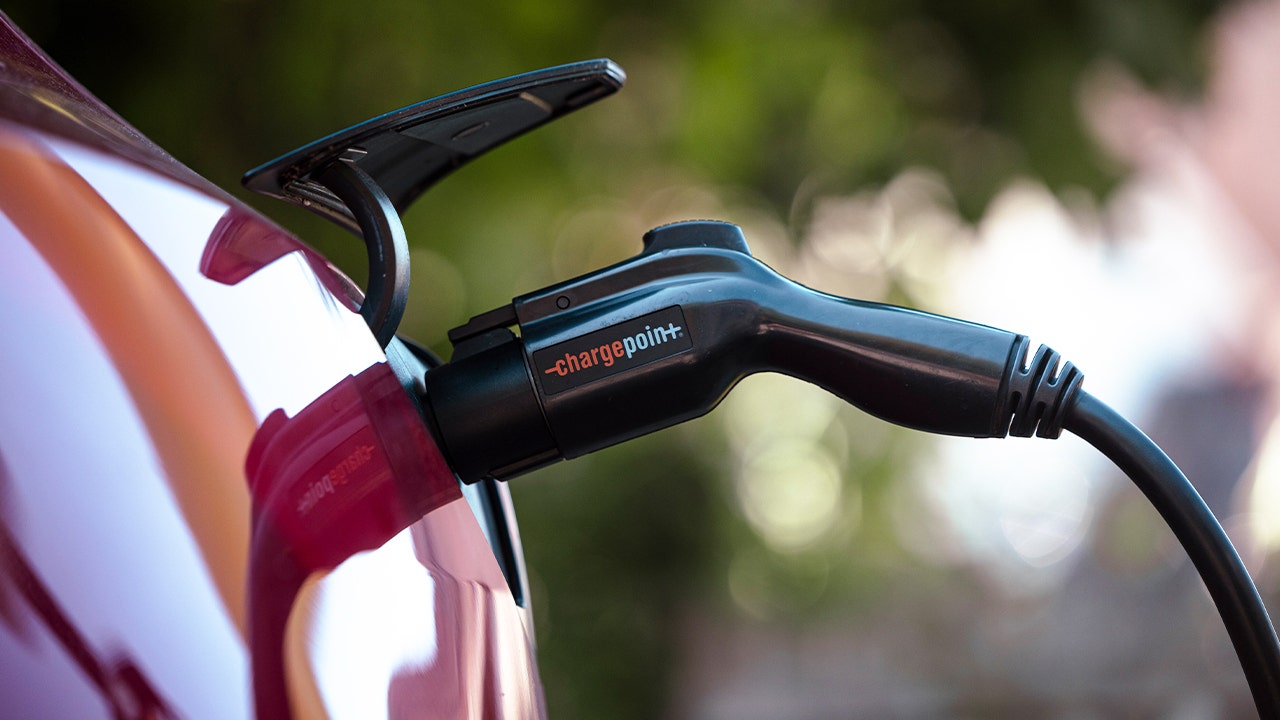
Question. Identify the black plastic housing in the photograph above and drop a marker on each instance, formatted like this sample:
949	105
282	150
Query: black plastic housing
487	413
407	151
506	408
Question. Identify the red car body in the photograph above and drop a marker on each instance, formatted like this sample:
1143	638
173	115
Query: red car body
187	390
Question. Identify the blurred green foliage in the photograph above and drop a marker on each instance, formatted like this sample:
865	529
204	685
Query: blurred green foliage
738	108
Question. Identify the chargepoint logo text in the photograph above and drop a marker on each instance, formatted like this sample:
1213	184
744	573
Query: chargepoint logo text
612	350
608	353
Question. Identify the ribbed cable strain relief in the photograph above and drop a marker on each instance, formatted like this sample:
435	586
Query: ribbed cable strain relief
1039	392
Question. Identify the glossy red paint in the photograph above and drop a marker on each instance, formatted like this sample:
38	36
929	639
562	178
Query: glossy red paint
243	244
155	332
348	472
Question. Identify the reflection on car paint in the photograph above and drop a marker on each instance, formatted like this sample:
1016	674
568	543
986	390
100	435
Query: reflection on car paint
134	383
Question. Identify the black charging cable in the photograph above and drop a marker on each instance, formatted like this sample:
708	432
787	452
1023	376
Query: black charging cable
662	337
1199	533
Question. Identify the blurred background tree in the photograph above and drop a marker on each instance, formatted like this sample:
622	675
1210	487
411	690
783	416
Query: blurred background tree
753	112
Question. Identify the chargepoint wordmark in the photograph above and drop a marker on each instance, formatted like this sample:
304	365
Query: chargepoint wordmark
614	349
610	352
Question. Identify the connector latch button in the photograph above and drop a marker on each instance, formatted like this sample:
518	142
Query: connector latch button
696	234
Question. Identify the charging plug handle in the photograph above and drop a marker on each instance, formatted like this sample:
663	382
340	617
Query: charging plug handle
662	337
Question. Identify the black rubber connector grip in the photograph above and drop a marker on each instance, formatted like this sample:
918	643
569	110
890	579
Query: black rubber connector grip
1040	391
